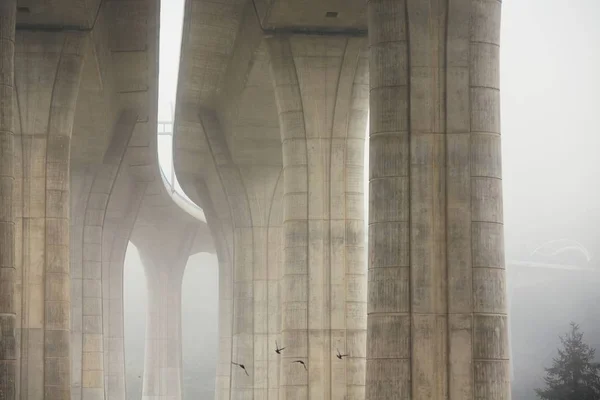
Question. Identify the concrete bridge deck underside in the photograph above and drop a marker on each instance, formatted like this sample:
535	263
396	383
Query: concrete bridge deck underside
272	108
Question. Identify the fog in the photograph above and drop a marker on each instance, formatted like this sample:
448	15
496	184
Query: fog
550	58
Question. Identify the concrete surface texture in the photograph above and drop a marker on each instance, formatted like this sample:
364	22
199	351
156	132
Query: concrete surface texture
164	250
272	106
82	175
321	87
437	302
8	316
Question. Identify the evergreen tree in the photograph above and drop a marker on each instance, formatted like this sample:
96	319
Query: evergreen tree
574	375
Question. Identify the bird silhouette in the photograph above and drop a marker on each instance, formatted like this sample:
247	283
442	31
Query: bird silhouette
242	366
300	362
340	355
277	349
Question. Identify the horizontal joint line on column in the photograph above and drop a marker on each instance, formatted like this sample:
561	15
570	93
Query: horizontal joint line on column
372	89
389	313
484	87
315	31
304	165
5	314
51	28
482	133
484	42
485	133
387	42
387	358
486	176
389	266
475	313
133	91
296	192
488	222
129	50
388	221
380	178
491	359
288	85
388	133
487	267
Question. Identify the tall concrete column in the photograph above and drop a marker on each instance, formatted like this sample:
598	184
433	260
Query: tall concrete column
162	361
437	305
120	218
322	97
47	74
98	193
8	316
223	250
164	252
251	240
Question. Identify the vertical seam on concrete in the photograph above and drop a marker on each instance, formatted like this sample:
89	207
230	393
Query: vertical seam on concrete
446	210
212	154
279	176
409	169
24	282
89	191
330	244
470	113
112	186
289	45
137	211
8	123
45	266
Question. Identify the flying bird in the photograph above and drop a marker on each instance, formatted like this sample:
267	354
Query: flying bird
340	355
300	362
242	366
277	349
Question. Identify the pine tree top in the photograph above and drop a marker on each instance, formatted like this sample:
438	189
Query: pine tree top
574	375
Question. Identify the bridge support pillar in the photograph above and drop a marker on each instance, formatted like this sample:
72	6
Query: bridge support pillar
437	323
321	92
164	252
47	78
8	273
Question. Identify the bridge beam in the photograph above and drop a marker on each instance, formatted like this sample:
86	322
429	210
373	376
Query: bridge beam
437	318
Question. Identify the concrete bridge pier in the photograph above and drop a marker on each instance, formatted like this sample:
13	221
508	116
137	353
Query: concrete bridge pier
48	69
104	203
164	254
321	92
437	318
8	274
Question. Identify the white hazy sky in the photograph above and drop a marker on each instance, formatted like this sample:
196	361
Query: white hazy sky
550	83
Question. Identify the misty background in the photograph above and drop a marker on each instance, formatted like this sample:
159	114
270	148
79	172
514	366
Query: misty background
550	85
